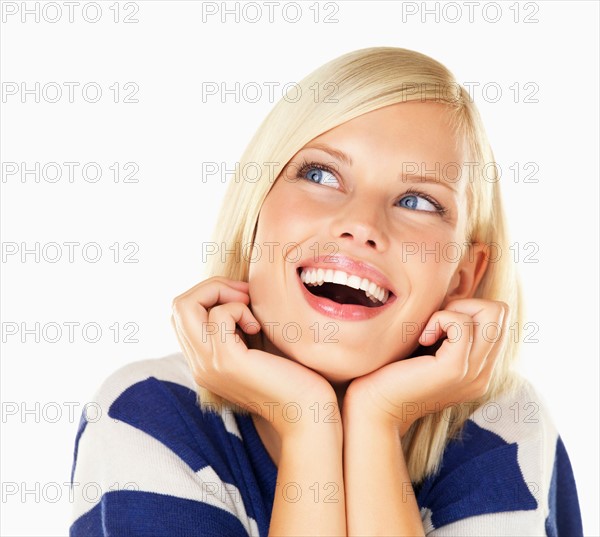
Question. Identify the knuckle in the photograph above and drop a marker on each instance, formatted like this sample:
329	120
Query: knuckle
177	305
453	303
216	311
503	307
178	315
462	320
217	280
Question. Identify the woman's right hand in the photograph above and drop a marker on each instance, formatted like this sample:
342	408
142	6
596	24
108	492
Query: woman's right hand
205	318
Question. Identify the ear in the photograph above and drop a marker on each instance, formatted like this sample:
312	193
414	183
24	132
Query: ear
468	274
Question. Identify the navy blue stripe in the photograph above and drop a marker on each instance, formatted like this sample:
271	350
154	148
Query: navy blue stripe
146	514
81	427
257	463
564	517
169	412
480	474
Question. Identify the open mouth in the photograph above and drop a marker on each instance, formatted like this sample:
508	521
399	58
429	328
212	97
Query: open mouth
344	288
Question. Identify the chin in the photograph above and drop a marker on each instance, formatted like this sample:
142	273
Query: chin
335	361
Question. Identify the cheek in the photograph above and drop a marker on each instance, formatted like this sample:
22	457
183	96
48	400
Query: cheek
278	216
286	223
430	259
267	263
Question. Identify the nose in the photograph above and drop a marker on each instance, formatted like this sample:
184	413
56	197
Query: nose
362	222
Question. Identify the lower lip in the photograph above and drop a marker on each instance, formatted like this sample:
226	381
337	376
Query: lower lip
345	312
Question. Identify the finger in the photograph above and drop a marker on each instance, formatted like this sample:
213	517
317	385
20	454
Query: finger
481	383
211	282
213	291
183	343
200	327
190	310
224	319
454	351
498	338
444	322
488	318
189	353
227	345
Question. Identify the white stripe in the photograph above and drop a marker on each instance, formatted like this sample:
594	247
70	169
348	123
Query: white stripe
525	420
173	368
230	424
113	455
522	523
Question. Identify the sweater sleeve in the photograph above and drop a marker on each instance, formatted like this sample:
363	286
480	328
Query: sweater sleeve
145	465
508	475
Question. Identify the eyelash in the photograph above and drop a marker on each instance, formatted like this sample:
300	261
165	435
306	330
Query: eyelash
306	165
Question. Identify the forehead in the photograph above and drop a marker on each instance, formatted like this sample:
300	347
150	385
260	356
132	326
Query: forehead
413	136
413	123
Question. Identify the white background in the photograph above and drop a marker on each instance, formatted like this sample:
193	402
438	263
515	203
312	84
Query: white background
170	132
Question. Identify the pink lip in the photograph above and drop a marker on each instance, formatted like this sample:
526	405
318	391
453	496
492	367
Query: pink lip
346	312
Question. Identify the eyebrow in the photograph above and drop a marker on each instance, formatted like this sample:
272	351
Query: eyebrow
413	178
416	178
336	153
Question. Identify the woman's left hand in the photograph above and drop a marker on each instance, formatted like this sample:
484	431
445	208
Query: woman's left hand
399	393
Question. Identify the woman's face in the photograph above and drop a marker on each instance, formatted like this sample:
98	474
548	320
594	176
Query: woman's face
365	218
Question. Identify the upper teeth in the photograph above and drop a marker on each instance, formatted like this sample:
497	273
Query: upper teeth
317	276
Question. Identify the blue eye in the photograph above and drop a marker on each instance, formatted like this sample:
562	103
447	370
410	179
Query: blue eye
414	196
317	173
413	202
412	199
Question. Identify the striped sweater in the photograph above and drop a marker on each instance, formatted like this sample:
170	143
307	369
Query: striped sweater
148	462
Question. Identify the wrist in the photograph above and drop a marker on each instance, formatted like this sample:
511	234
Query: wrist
361	406
298	421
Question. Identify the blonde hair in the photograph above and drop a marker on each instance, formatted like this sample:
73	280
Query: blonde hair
342	89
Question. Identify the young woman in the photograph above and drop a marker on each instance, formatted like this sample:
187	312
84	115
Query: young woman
348	367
